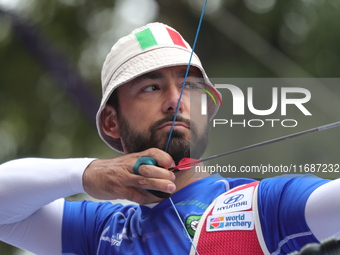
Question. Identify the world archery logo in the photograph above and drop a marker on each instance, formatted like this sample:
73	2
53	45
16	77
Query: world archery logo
231	221
217	222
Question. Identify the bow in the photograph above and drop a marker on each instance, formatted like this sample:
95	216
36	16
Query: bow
187	163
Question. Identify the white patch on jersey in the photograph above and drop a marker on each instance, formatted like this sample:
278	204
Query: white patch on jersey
234	202
231	221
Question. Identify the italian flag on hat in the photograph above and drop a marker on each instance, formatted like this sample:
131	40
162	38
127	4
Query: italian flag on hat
159	35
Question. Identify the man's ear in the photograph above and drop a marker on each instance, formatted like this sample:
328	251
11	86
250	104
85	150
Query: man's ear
109	121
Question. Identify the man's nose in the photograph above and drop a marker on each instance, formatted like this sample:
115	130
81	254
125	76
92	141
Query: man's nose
172	96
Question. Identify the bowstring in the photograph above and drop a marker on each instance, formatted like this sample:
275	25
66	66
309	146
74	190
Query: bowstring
176	113
186	76
182	223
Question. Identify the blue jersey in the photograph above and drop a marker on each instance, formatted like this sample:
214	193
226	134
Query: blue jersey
105	228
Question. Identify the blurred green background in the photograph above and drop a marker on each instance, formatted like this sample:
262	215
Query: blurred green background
51	53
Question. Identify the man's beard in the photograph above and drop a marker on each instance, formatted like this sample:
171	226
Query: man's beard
179	146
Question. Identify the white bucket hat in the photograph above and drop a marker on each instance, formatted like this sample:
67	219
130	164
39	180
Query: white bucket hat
145	49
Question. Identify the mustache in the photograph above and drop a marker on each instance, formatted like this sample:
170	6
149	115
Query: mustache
169	118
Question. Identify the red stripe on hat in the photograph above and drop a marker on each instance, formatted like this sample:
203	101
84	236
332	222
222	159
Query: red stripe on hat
176	38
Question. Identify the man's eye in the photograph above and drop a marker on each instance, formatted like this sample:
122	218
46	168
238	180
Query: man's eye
191	85
150	88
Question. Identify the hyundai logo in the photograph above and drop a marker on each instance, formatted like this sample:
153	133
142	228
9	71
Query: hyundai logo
233	199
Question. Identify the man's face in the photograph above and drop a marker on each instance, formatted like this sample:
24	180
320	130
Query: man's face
147	106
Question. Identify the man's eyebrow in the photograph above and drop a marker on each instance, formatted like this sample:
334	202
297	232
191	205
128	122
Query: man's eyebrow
159	75
190	74
152	76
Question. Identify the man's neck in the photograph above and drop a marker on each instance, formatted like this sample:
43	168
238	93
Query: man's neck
184	178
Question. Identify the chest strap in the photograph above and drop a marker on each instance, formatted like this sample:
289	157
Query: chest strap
230	225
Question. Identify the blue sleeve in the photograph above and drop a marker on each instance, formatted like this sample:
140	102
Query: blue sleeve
83	223
235	182
281	205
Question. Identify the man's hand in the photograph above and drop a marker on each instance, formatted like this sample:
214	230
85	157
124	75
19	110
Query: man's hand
110	179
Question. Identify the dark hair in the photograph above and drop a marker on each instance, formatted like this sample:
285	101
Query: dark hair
113	100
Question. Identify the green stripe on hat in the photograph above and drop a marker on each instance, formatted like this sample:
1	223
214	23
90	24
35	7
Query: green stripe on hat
146	38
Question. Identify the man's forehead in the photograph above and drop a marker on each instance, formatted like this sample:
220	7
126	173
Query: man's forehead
159	74
178	71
